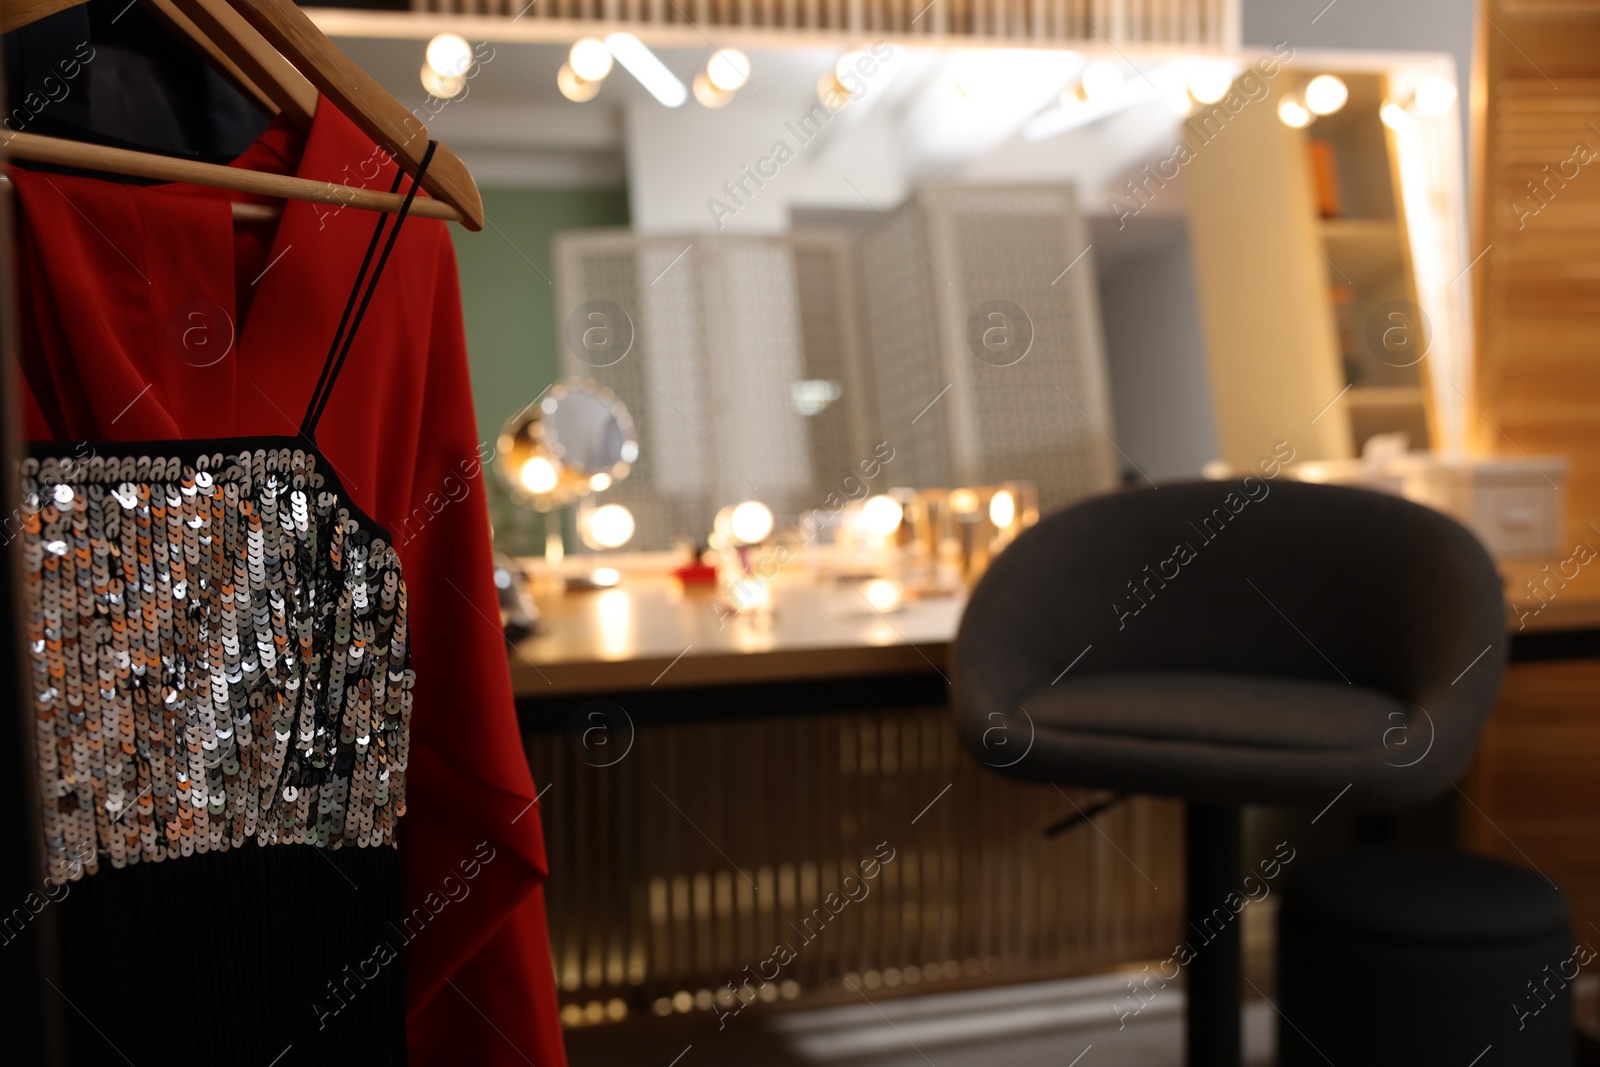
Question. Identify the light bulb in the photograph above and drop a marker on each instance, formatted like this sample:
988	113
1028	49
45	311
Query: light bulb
1101	79
1211	83
1326	93
963	501
578	90
1002	509
637	59
610	526
881	515
589	59
708	94
728	69
1394	116
538	475
1178	100
884	595
442	86
1293	113
1435	95
750	522
449	54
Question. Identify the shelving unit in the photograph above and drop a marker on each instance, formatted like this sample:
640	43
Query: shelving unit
1298	288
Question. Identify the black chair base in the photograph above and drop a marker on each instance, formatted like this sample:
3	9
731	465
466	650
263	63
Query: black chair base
1213	1022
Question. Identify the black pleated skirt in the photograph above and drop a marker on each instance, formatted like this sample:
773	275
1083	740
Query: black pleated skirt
286	951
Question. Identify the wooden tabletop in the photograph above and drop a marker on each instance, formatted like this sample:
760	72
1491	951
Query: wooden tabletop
651	631
1551	595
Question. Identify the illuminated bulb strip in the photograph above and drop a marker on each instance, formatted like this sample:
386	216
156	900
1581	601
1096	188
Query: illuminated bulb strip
650	72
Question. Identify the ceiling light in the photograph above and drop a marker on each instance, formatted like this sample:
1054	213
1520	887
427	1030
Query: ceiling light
578	90
707	93
651	73
443	86
1394	116
609	526
1211	82
750	522
1294	113
728	69
1326	94
1101	79
449	54
589	59
1435	95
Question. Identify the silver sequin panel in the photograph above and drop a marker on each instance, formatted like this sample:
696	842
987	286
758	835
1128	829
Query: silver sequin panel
218	653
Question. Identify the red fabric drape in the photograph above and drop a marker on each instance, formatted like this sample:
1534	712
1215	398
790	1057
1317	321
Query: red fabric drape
147	316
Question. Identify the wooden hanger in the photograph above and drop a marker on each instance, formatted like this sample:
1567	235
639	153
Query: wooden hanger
279	57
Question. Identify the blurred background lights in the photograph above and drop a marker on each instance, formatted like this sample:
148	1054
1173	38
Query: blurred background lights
846	64
443	86
1102	79
1394	116
538	475
1293	113
708	94
637	59
1211	82
1435	95
963	501
589	59
881	515
1326	93
609	526
450	55
728	69
750	522
884	595
1178	100
578	90
1002	509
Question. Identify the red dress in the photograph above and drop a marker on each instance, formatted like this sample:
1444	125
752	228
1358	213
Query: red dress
146	316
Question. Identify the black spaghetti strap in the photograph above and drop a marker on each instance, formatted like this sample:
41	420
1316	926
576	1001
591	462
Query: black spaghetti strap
349	306
350	321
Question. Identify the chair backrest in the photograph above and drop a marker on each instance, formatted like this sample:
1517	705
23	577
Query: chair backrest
1256	577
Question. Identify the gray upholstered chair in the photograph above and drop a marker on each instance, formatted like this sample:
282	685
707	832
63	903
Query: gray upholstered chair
1264	642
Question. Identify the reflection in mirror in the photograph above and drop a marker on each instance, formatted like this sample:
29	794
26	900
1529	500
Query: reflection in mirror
1053	260
576	439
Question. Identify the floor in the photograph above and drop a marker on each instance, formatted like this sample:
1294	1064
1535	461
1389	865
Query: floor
1069	1023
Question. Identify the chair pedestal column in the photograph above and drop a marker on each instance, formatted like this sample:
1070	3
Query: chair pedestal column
1213	1023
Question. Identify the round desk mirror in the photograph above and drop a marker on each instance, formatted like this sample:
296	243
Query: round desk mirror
575	440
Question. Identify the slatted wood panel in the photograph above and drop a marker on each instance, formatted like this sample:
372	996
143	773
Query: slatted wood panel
1196	22
709	844
1534	800
1538	213
1532	791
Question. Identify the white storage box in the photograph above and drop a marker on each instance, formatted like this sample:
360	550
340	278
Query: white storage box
1514	505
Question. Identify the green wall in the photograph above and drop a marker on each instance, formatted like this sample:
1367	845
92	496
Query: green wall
509	304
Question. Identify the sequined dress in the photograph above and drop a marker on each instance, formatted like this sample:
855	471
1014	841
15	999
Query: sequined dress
243	576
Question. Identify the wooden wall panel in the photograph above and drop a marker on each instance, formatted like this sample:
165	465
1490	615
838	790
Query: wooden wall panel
1537	116
1535	789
